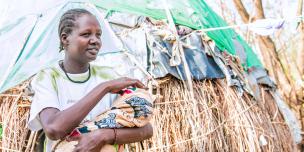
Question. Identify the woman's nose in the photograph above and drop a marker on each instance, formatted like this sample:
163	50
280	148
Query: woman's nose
94	39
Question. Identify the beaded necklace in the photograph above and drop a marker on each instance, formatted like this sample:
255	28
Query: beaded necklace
75	80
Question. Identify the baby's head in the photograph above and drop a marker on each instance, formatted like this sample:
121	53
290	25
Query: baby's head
80	35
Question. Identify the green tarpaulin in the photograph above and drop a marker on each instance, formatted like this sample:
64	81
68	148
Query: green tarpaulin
192	13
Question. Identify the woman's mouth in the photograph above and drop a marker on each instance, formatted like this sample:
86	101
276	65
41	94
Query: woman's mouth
93	51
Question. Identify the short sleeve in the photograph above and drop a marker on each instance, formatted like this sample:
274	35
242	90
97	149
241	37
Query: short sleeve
45	95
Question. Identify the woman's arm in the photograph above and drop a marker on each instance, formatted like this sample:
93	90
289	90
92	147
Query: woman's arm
95	140
57	124
128	135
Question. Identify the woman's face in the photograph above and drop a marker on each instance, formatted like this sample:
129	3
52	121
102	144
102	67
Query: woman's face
84	42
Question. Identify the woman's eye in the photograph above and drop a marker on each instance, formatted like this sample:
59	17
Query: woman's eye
86	34
98	35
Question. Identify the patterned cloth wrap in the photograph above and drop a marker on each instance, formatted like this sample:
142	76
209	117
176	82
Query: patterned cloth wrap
132	108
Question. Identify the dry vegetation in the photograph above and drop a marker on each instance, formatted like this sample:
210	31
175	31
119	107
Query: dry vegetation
217	119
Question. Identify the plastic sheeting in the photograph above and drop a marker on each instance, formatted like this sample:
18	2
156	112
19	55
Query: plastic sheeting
289	117
200	64
262	77
9	53
193	13
38	44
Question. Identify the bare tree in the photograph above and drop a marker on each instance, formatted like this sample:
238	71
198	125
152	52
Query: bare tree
277	64
267	46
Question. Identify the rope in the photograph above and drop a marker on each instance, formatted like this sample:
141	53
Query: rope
297	19
179	51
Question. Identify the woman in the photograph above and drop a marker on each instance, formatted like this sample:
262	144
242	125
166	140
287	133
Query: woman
72	91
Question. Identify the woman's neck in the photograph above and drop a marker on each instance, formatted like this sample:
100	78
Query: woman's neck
75	67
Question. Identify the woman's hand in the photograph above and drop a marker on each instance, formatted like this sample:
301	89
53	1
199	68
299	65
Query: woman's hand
114	86
93	141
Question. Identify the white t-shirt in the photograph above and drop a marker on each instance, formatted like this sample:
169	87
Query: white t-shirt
53	89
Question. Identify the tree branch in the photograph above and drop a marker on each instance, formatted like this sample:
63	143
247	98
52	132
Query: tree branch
242	10
300	7
259	9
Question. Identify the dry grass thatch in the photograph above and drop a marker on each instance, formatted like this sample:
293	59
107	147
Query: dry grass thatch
217	119
14	111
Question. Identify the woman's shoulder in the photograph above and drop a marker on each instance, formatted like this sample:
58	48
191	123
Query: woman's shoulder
51	71
104	72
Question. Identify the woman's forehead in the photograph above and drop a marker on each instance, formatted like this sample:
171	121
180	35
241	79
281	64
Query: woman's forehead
86	22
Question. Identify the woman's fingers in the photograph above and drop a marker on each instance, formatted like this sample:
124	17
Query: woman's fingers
132	82
124	82
74	138
136	83
139	84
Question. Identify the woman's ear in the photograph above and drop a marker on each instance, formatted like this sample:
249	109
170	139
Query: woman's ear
64	39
